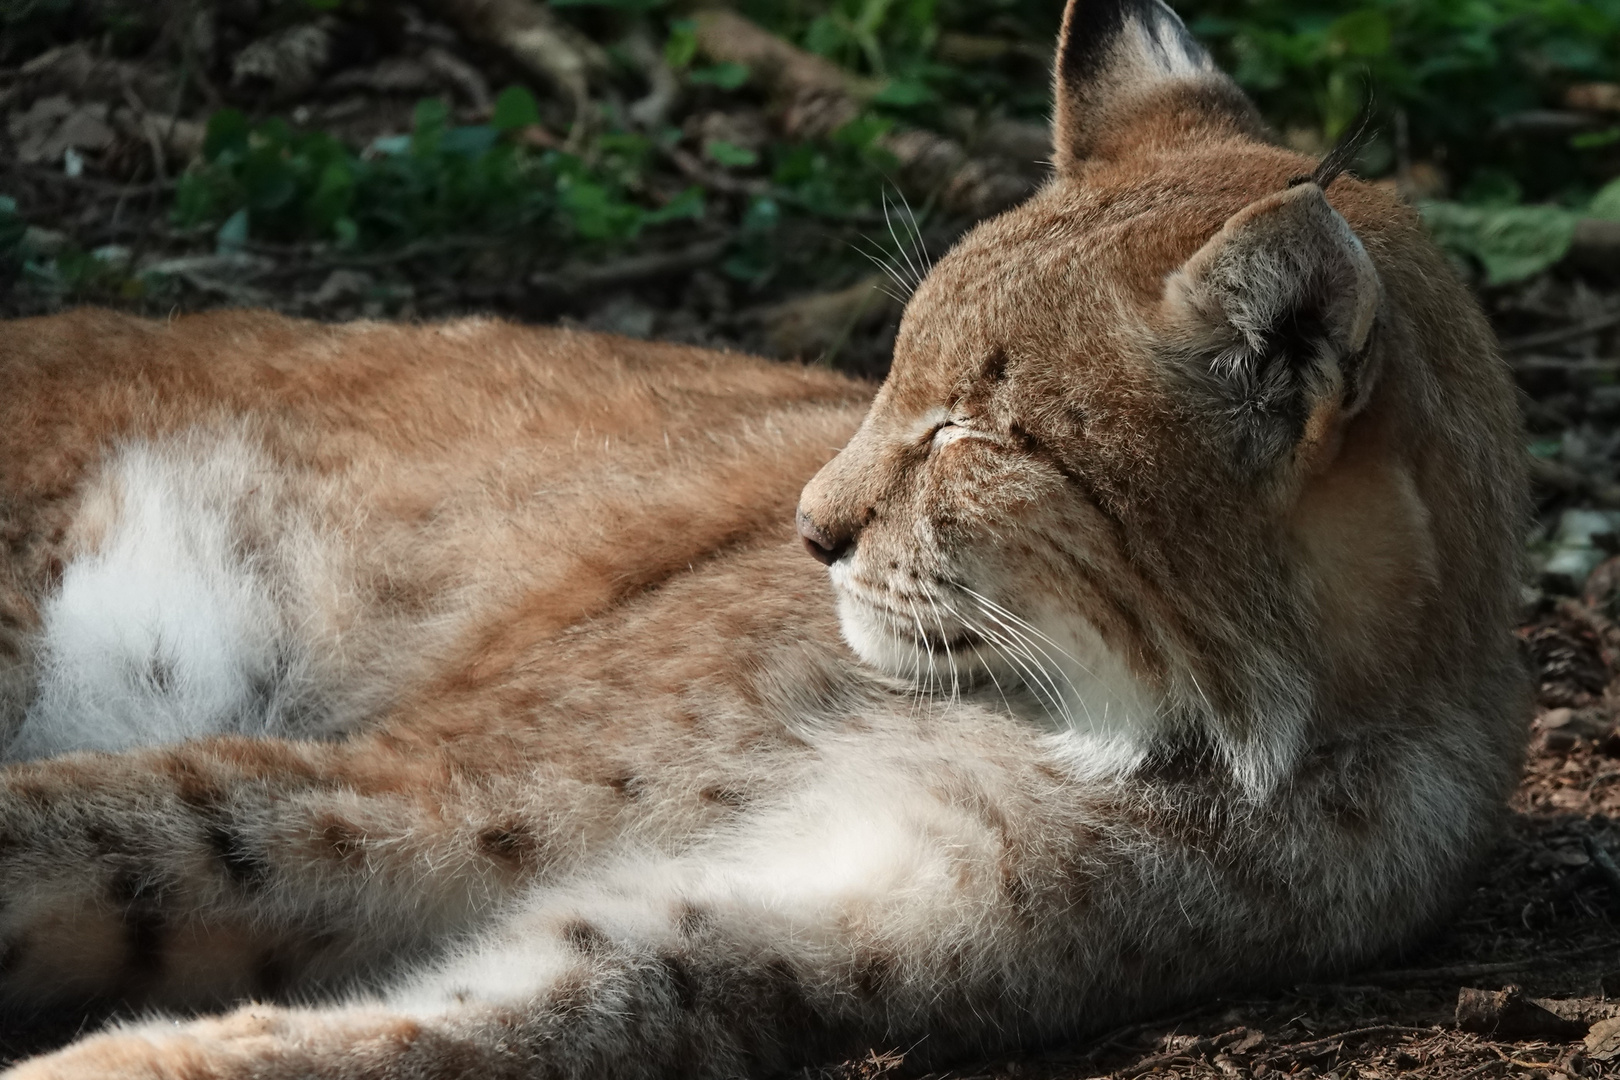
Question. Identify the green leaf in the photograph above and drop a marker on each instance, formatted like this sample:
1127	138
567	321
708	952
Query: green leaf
904	92
727	76
428	125
471	141
233	234
689	204
227	133
827	36
333	195
597	214
269	181
346	232
1546	449
515	108
762	215
1511	243
730	154
1595	140
1606	203
681	48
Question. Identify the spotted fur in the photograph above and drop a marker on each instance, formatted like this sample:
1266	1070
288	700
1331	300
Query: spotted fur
458	701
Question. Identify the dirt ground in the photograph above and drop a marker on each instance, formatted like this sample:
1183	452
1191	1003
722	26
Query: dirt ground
1543	914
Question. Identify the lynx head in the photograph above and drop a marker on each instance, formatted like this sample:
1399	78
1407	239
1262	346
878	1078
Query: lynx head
1193	449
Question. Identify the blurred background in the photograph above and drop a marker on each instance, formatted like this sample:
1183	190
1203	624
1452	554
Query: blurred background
773	175
717	173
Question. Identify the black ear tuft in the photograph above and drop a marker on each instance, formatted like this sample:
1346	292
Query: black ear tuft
1092	30
1113	55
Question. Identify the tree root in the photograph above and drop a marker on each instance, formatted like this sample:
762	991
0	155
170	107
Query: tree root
814	97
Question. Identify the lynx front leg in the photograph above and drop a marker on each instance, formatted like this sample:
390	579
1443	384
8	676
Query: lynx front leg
866	916
233	867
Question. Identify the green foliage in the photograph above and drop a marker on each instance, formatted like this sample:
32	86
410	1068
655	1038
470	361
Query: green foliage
1511	242
880	34
727	76
1459	74
271	181
514	109
838	176
682	46
1456	68
729	154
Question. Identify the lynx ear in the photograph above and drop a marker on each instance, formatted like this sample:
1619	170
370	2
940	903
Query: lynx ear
1115	57
1275	316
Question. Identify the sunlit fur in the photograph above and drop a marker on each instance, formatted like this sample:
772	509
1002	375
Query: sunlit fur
461	697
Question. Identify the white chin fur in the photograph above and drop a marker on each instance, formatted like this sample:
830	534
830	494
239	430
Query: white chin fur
1073	685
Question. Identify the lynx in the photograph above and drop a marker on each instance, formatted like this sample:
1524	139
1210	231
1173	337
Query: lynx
462	701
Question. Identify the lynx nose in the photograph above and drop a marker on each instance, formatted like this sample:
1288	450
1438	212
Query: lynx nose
824	545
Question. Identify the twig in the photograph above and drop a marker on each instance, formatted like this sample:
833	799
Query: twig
1410	976
1158	1061
1114	1037
693	169
1562	333
320	257
1355	1033
107	188
663	88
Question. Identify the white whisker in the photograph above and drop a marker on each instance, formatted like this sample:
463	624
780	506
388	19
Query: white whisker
945	643
916	234
1034	674
916	272
883	263
923	642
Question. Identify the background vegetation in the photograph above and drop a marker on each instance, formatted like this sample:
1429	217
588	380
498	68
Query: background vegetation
1501	113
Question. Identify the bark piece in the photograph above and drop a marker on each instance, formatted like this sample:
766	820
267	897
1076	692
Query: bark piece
1595	245
53	125
1508	1014
1594	97
289	63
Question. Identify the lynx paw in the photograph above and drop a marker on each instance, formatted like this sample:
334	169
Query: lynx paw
255	1041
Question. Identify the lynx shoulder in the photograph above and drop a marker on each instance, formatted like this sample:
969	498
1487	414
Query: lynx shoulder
462	701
